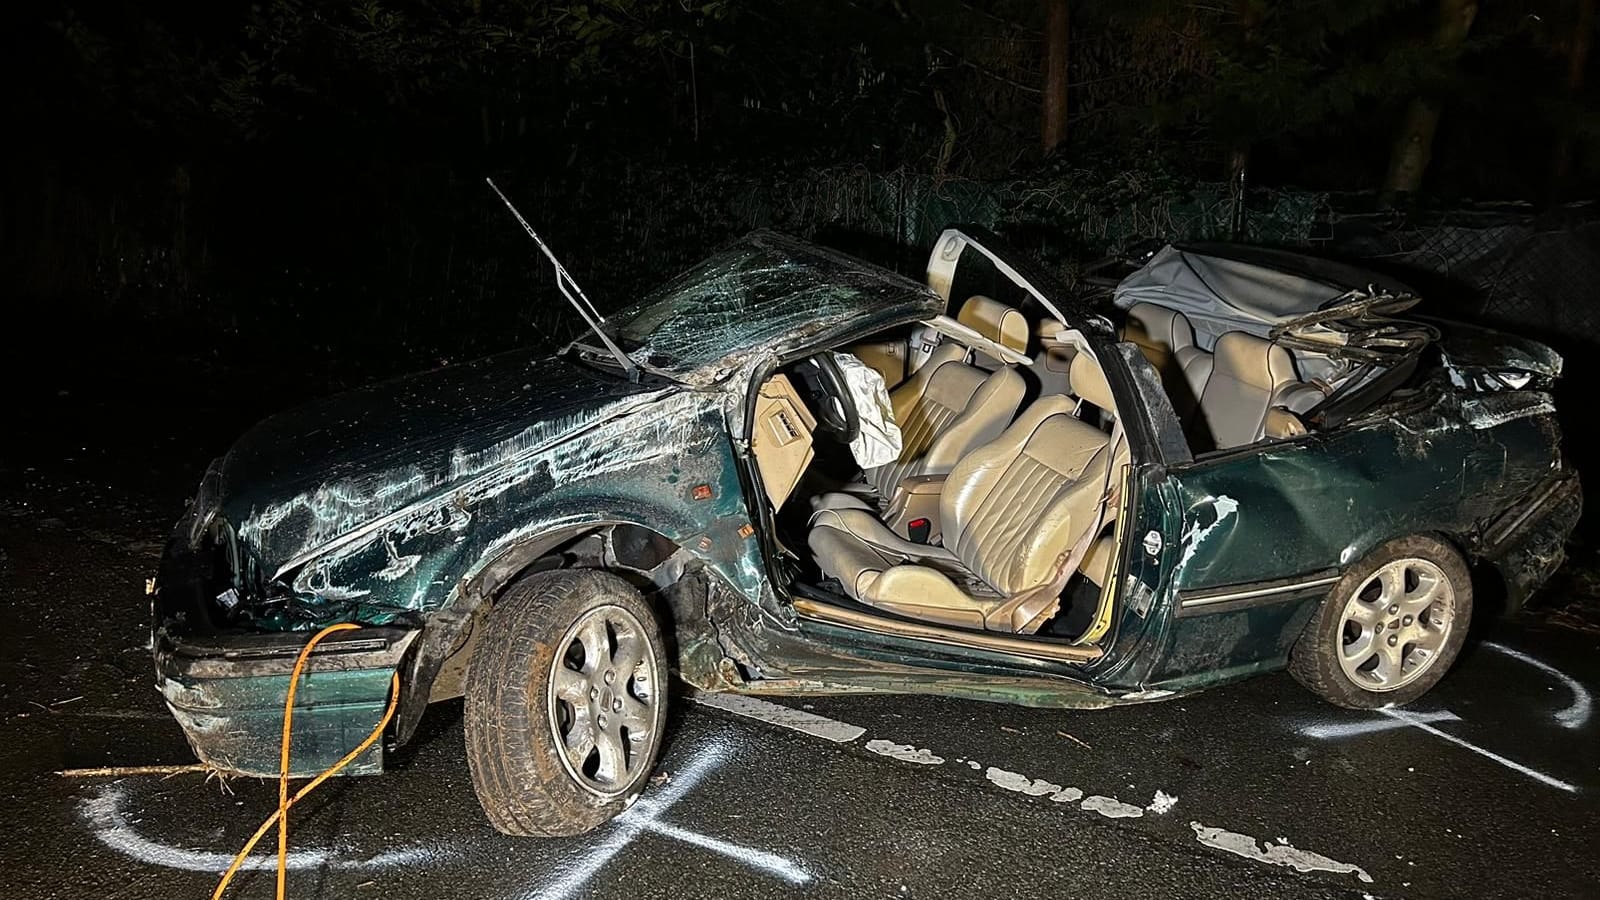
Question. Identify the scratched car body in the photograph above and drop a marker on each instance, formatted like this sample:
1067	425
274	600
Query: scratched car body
412	507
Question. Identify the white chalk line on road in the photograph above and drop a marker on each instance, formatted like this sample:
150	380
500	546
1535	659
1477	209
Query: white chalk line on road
1415	722
644	816
1340	730
782	716
104	812
835	731
1574	715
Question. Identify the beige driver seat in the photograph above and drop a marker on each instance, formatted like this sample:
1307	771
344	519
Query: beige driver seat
1005	325
1013	512
944	410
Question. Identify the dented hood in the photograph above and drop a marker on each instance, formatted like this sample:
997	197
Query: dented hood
300	480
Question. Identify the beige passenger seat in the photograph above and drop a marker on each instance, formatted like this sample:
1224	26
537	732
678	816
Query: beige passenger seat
1015	513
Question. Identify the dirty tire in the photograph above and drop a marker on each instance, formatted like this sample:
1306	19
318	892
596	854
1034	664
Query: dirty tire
1315	659
518	772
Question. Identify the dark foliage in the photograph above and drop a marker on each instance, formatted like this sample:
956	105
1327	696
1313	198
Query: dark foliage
290	168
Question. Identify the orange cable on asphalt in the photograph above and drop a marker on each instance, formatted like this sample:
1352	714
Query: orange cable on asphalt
280	817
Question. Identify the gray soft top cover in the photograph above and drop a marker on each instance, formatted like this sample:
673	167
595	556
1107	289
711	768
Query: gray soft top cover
1223	287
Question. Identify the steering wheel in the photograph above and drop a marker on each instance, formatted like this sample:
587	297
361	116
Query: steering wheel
836	409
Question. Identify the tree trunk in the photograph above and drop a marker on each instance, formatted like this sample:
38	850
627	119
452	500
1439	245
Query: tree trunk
1249	15
1413	146
1577	61
1056	21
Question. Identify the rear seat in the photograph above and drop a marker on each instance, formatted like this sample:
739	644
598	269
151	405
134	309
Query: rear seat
1167	339
1245	390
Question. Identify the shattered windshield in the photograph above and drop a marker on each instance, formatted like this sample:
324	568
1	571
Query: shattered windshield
767	288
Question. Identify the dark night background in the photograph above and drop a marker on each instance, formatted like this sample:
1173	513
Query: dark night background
214	210
305	178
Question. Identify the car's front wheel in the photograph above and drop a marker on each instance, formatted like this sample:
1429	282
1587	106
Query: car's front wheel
1390	628
565	703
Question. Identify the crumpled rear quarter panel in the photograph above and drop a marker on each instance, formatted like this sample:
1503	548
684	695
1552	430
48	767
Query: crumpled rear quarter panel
1318	504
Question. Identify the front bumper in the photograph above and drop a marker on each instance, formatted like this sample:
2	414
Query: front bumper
227	692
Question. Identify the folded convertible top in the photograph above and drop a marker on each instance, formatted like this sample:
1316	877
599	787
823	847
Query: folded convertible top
1222	288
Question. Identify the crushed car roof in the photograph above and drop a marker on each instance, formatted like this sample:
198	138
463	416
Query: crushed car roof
766	291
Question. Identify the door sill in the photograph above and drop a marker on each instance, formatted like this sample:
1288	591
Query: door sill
819	611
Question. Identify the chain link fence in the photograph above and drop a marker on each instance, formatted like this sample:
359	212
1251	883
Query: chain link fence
1499	263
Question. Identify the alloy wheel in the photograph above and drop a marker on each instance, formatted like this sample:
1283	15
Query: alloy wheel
602	700
1394	626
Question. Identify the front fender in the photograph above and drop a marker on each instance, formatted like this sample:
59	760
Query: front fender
669	468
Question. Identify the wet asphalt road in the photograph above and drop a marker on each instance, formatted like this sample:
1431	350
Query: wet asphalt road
1489	790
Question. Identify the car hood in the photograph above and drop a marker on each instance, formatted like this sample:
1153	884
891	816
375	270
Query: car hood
299	481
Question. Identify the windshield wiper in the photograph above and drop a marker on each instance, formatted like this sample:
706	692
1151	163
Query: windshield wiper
574	294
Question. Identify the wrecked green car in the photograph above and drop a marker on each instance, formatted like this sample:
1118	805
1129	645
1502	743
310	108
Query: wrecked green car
789	471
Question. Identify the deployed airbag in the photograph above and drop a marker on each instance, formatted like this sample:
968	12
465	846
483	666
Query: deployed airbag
879	441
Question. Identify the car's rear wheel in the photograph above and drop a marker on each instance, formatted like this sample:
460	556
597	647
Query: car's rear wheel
1390	628
565	703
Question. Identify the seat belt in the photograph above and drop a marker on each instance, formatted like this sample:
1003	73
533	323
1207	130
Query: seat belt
1051	592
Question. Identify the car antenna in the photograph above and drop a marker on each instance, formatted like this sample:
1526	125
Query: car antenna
570	290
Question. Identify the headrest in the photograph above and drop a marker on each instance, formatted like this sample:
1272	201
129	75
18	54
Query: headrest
1005	325
1253	360
1089	382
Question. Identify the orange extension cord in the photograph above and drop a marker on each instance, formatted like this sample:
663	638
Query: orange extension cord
281	816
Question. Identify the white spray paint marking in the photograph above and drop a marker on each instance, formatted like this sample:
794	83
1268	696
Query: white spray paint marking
644	817
1162	803
771	863
104	813
1574	715
1022	784
904	753
1577	713
1067	795
782	716
1511	764
1338	730
1273	854
1111	807
1224	506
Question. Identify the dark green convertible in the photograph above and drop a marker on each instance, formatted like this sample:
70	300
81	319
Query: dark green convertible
788	471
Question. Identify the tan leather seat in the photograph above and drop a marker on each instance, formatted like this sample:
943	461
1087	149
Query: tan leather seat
1167	341
944	409
1005	325
1250	375
1013	511
1052	364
